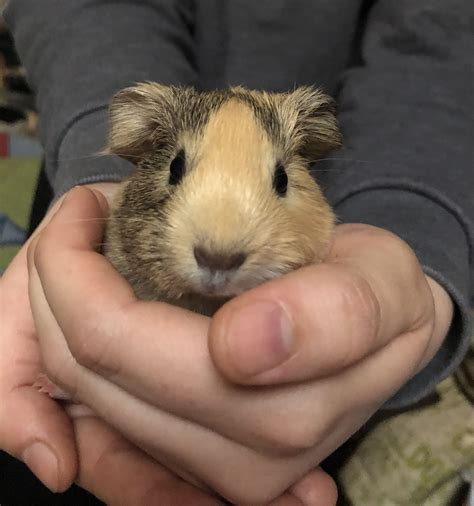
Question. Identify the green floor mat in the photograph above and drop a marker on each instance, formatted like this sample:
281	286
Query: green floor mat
17	185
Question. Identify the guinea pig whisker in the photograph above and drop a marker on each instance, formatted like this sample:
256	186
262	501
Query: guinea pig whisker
82	220
348	160
351	164
73	159
87	157
102	219
168	191
330	158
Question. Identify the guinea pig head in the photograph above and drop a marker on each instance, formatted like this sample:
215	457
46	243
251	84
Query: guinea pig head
221	199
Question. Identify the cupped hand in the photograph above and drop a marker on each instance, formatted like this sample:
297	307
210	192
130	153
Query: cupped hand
62	447
370	298
348	334
32	427
119	473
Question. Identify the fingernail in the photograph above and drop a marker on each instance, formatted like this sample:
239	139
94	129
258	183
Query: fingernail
259	337
43	463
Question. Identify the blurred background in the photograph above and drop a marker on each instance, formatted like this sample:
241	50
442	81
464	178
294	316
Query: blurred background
20	151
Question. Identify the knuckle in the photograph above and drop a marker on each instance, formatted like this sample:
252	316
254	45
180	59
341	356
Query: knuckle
90	344
413	279
358	298
425	307
361	308
289	435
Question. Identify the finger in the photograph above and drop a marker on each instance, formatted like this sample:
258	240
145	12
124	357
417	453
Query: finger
140	358
33	428
235	471
317	488
58	355
164	359
103	344
323	318
118	473
177	439
285	499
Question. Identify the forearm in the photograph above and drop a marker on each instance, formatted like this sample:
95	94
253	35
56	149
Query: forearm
406	115
77	55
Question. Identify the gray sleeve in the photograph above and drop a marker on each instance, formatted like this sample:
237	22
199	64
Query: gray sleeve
77	54
407	115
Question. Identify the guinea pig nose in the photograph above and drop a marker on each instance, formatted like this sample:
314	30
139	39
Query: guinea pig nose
218	261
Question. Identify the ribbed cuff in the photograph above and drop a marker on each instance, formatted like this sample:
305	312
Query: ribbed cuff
442	247
78	159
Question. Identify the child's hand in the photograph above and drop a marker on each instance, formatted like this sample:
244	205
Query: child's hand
363	323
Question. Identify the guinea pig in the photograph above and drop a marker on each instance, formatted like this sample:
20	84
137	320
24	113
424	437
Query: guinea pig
221	198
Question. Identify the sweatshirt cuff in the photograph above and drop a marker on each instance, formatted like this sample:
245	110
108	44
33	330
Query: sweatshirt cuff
439	239
78	160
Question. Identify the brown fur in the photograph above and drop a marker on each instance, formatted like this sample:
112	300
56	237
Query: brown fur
226	203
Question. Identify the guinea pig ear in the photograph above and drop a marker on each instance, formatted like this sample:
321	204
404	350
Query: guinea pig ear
141	117
315	124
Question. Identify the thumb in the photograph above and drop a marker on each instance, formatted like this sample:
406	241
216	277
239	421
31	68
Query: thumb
320	319
36	430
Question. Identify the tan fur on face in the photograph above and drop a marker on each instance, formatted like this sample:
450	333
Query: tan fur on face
226	202
233	160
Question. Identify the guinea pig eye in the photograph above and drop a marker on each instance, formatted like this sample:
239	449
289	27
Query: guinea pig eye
280	180
177	168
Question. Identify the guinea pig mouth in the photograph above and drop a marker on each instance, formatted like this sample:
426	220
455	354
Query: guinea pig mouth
217	283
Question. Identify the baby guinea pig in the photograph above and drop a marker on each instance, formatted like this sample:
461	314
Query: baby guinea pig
221	199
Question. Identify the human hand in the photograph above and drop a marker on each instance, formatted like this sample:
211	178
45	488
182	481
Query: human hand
32	428
266	437
369	294
59	448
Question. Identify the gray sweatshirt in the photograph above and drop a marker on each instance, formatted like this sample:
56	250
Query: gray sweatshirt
401	71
